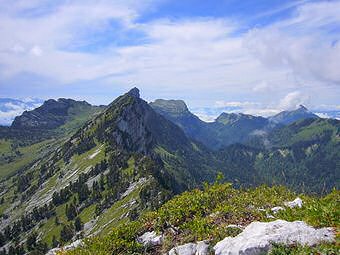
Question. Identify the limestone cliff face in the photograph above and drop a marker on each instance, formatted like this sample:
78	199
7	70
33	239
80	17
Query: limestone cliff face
132	125
131	130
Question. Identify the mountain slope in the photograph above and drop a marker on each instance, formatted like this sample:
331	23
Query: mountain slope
288	117
178	112
130	124
37	132
125	160
237	127
227	128
128	159
54	117
304	156
212	214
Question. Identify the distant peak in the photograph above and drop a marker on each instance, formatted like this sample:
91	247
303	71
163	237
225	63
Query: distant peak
170	106
134	92
302	107
50	101
226	118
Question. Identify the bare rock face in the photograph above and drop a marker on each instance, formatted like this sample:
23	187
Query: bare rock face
134	92
199	248
132	132
150	239
71	246
297	202
257	237
276	209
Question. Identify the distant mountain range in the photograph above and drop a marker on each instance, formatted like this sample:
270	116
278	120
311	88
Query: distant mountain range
10	108
209	114
228	128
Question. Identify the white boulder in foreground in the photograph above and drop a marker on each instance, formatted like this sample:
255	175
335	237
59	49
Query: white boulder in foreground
200	248
295	203
150	238
257	237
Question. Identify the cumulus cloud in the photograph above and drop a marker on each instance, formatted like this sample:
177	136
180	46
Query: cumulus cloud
36	51
304	44
197	56
205	117
235	104
292	100
10	108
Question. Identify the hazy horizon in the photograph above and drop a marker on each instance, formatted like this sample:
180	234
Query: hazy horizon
9	110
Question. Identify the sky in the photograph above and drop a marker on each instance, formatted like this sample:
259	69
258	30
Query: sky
259	57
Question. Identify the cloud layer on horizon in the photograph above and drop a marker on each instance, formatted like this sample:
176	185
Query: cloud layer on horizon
10	108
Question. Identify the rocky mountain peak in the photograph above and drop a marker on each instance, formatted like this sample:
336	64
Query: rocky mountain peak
288	117
302	107
134	92
132	124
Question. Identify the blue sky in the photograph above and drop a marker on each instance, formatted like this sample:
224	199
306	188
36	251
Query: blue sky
258	56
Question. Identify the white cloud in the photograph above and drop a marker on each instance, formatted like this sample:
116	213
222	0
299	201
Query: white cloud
328	107
263	86
36	51
17	48
6	117
196	56
205	117
292	100
323	115
10	108
235	104
302	44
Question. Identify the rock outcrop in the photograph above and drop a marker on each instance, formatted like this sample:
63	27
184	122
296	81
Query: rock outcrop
71	246
199	248
297	202
258	237
150	239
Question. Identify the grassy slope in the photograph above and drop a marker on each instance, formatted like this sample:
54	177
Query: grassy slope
204	214
79	164
113	216
28	154
306	131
